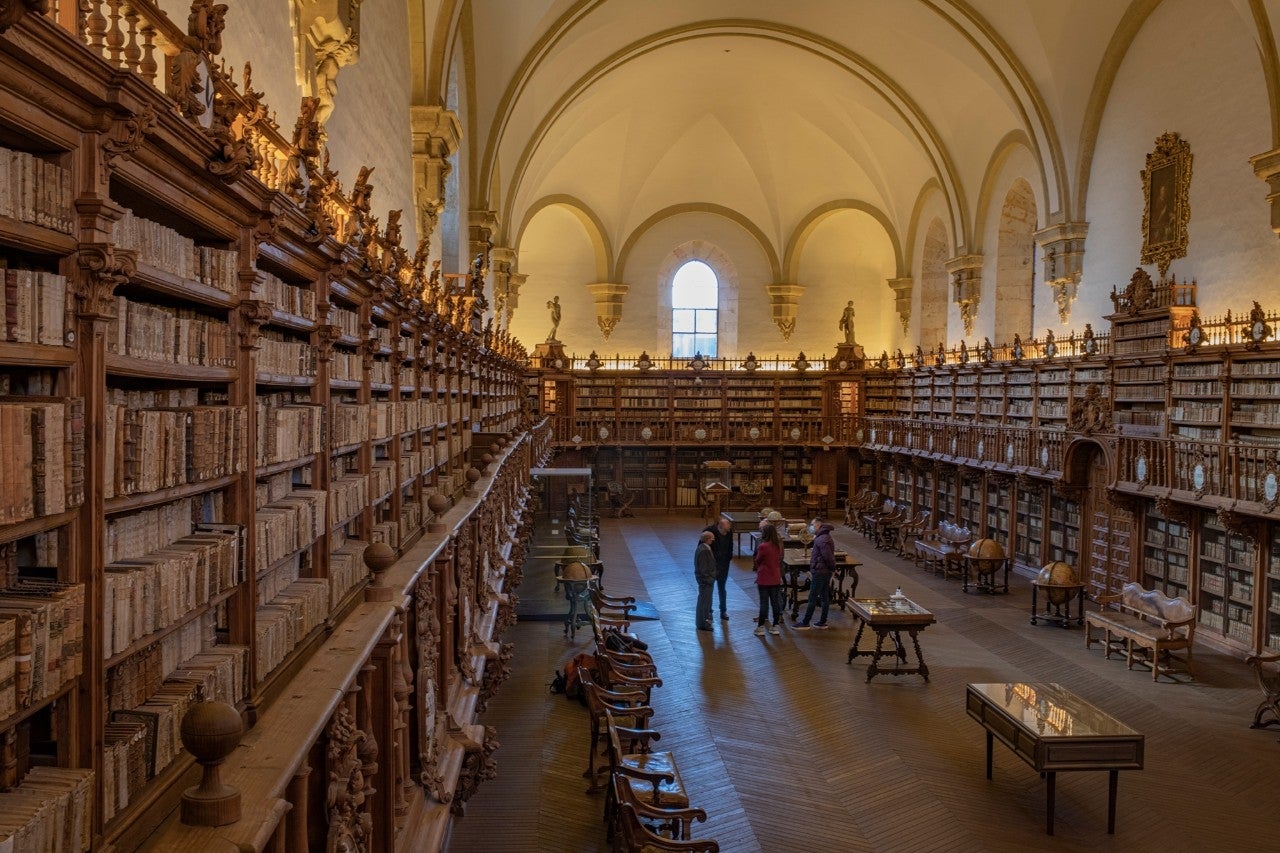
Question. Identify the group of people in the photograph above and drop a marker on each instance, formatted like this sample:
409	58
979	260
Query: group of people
714	554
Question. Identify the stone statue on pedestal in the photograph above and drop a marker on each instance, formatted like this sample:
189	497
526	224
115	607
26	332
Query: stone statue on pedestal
846	323
554	307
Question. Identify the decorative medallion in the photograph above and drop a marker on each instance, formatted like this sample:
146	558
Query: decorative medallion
873	435
754	432
1198	478
955	442
1193	337
795	433
1090	343
1016	351
603	432
700	434
644	362
1050	345
1270	490
981	446
828	440
1008	453
1257	331
842	364
988	351
751	364
858	435
1044	457
697	362
801	363
1140	469
646	433
929	442
890	441
593	362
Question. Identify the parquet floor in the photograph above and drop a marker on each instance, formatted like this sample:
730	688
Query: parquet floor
788	749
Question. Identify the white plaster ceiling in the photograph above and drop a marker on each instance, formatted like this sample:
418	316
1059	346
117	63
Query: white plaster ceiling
772	109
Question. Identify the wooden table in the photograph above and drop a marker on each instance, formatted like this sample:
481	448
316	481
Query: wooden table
889	617
742	522
1054	612
795	561
1053	730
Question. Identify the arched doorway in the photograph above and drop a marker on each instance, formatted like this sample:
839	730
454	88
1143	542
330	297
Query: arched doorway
1106	524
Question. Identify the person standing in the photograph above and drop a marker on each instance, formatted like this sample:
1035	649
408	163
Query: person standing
769	580
704	572
722	548
822	564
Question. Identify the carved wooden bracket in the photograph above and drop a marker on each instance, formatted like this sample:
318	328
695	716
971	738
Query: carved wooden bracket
1240	525
255	313
11	11
1172	510
126	136
350	824
105	268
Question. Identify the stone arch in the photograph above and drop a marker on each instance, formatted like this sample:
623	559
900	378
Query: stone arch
1015	263
775	268
727	280
590	223
795	246
934	299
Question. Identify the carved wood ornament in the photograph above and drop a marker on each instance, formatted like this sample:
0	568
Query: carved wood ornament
11	11
347	807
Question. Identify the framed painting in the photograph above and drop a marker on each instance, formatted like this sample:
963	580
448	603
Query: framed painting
1166	184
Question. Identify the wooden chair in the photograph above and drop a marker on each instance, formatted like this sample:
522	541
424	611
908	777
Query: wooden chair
1269	684
626	705
636	837
618	676
814	500
661	824
652	776
752	492
615	607
621	497
910	532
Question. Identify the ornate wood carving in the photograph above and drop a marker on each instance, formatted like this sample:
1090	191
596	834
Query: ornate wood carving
255	314
477	767
11	11
104	268
126	136
1173	510
1066	491
430	720
1238	524
1091	413
495	673
1137	295
347	806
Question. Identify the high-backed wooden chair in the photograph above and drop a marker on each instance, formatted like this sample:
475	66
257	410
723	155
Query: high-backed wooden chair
636	837
1269	684
661	826
621	497
627	706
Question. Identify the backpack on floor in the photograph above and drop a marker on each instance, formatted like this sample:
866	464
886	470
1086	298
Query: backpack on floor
558	683
572	678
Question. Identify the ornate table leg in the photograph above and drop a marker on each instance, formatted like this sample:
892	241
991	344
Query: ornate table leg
924	670
853	650
873	669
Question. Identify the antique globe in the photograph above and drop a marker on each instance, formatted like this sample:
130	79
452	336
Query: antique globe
986	549
1057	574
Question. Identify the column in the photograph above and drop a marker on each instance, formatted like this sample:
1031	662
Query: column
1063	252
436	134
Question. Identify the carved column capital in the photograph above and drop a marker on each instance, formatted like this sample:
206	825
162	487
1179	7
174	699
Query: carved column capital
1062	246
608	297
105	268
784	305
902	288
966	279
125	135
1267	167
254	313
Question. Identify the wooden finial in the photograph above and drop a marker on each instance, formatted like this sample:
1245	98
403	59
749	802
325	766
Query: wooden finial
378	557
211	731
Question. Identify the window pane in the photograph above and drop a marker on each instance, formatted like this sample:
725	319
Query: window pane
694	286
682	346
705	344
682	320
706	322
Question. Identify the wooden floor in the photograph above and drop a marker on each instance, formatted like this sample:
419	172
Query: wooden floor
788	749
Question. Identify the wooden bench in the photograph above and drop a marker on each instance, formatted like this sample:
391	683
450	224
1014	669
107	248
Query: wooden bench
944	547
1145	621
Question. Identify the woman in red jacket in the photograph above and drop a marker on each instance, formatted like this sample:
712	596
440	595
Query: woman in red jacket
769	579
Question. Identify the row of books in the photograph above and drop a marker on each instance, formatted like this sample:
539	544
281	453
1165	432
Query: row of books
384	373
34	308
36	190
382	478
346	365
386	532
346	569
148	594
149	530
349	423
291	299
170	335
147	450
273	581
50	812
288	525
41	638
42	550
41	456
167	250
348	495
136	678
285	356
286	432
347	321
291	616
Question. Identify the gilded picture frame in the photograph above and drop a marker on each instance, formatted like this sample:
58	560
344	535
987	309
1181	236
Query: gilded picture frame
1166	210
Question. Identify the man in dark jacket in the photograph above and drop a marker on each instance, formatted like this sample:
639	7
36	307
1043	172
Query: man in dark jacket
722	548
822	563
704	572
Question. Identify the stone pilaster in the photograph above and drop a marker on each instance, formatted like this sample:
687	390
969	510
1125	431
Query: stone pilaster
784	305
436	135
1062	246
514	282
1267	167
966	281
608	297
902	288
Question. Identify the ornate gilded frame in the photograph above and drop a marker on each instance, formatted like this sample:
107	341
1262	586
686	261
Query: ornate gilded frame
1166	209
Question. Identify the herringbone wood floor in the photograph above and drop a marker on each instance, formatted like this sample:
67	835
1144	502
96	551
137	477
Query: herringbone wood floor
788	749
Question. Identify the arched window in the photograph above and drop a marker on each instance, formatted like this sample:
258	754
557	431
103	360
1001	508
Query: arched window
695	304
